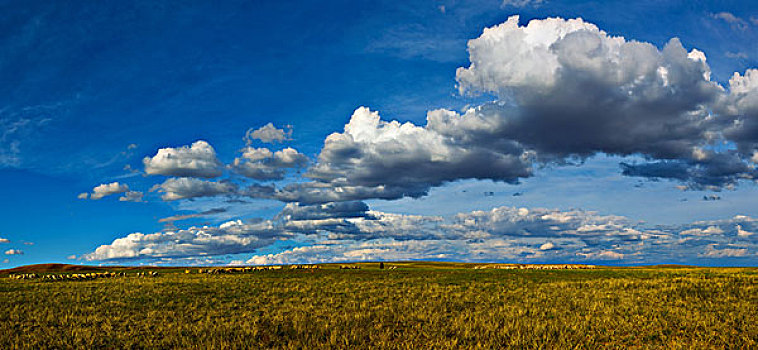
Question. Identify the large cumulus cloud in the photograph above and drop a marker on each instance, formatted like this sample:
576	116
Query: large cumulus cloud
581	91
572	90
373	158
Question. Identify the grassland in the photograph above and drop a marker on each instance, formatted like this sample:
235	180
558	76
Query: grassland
415	306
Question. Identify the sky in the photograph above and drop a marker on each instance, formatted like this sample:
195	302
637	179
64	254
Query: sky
269	132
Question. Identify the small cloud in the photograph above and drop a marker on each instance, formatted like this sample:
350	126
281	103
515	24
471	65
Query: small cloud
489	194
13	252
184	187
132	196
171	219
521	3
547	246
263	164
518	194
441	8
130	169
131	146
734	21
104	190
83	195
4	240
754	20
71	257
602	255
743	233
268	134
712	252
196	160
736	55
28	243
711	197
5	261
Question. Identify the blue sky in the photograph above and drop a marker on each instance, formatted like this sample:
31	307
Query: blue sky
158	102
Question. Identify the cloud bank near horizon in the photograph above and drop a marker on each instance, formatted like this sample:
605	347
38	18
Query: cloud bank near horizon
349	231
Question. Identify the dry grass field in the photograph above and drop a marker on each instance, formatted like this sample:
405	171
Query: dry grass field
421	305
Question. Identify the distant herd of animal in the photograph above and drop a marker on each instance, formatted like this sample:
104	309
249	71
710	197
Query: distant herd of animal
227	270
535	267
77	276
212	271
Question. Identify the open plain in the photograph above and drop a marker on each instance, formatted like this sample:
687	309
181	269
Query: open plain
412	305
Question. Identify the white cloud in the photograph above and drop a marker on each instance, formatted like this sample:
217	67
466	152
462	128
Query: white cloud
392	250
173	218
262	164
351	232
734	21
708	231
743	84
713	252
197	160
268	134
603	255
104	190
547	246
4	240
132	196
13	252
741	104
568	90
228	238
373	158
743	233
182	188
737	55
521	3
580	91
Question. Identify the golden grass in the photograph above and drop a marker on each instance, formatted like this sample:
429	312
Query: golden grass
416	306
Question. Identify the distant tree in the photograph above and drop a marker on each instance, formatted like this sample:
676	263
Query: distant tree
381	265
